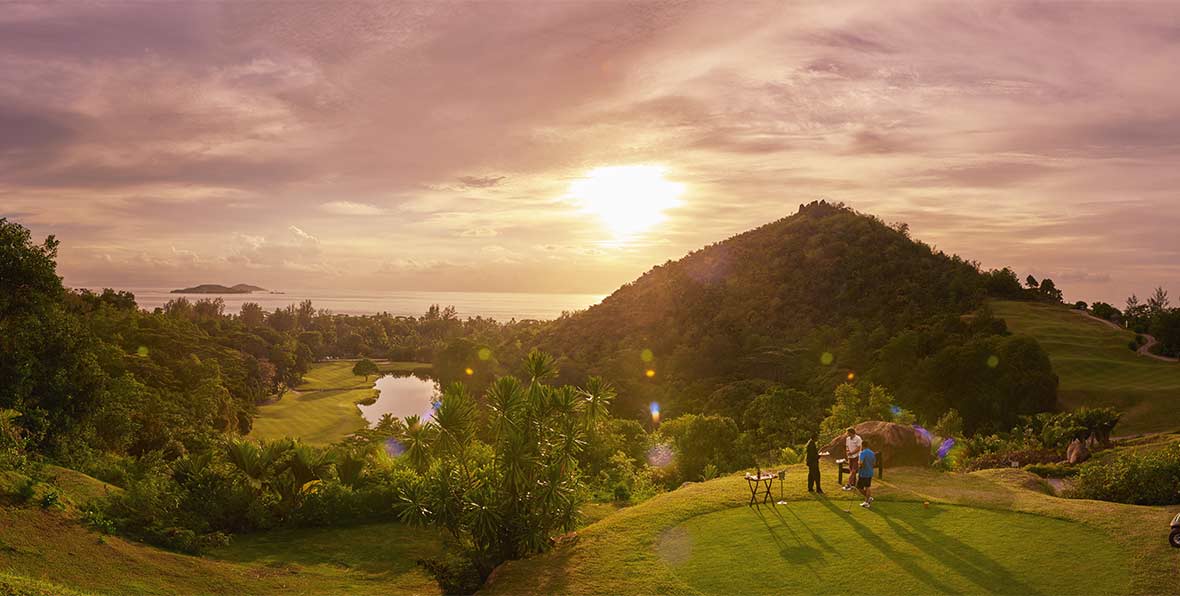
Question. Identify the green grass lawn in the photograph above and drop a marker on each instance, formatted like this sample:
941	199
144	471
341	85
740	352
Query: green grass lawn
369	559
994	531
1097	368
813	547
50	553
322	409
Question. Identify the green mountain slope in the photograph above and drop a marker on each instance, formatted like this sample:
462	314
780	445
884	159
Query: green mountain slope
760	304
1096	368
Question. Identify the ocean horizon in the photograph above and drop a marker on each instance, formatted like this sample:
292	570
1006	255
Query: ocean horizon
497	305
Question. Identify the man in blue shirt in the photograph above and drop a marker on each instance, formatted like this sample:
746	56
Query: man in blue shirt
864	476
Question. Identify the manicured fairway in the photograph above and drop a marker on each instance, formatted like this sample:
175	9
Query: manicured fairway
814	547
322	409
1097	368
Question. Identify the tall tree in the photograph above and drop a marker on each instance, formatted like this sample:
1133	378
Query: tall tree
365	367
1158	302
252	314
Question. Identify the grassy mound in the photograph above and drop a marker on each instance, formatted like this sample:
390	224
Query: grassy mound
1097	368
636	550
41	551
322	409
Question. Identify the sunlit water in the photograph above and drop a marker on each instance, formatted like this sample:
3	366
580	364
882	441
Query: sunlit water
402	396
497	305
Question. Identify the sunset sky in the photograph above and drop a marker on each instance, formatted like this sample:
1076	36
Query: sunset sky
570	146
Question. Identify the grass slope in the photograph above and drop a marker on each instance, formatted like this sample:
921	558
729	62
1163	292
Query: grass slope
322	409
1097	368
49	553
994	531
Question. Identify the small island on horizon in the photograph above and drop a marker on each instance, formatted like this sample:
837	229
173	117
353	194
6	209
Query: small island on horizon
220	289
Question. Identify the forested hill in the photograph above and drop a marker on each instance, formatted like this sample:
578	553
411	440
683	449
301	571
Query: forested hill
769	303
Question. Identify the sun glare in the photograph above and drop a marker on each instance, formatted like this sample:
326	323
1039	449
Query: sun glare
628	199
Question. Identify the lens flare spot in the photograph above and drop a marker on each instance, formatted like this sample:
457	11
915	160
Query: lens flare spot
142	351
826	358
655	412
485	354
470	371
660	456
851	376
650	373
394	447
646	355
993	361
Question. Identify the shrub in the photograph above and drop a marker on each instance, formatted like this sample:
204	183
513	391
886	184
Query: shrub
1004	459
456	573
789	456
1055	470
1151	478
26	491
96	520
949	425
51	499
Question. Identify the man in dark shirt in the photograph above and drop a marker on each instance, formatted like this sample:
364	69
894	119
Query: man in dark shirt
813	484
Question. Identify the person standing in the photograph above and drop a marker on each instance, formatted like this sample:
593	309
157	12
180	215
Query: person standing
864	478
813	484
852	446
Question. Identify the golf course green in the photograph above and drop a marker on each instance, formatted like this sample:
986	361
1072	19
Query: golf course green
1096	368
816	547
322	409
987	532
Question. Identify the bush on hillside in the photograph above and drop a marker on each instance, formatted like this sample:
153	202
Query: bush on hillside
703	440
1055	470
1151	478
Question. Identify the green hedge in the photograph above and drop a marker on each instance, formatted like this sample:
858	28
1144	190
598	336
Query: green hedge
1151	478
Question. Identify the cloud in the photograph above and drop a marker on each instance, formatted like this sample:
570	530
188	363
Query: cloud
351	208
479	233
201	126
481	181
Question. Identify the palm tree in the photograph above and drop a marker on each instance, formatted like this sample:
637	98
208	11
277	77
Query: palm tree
599	394
350	464
455	418
417	439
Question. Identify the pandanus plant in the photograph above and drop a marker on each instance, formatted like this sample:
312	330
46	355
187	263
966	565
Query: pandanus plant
417	439
511	505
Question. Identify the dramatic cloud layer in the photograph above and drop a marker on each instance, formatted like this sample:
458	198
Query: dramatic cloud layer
429	145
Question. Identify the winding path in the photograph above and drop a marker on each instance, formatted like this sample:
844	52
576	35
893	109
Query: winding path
1144	350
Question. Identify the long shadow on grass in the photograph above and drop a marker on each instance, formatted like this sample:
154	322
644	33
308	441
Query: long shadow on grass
816	537
901	559
964	559
796	553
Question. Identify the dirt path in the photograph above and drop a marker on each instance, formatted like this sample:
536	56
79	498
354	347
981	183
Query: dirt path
1144	350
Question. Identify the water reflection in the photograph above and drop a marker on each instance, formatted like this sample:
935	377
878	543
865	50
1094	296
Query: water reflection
401	396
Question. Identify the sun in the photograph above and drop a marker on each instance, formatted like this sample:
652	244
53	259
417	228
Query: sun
628	199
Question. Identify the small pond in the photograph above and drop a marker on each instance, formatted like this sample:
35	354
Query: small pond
401	396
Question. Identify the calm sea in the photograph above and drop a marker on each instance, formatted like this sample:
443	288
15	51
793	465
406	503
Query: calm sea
497	305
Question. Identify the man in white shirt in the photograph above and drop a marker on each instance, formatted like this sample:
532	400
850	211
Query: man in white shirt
852	444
